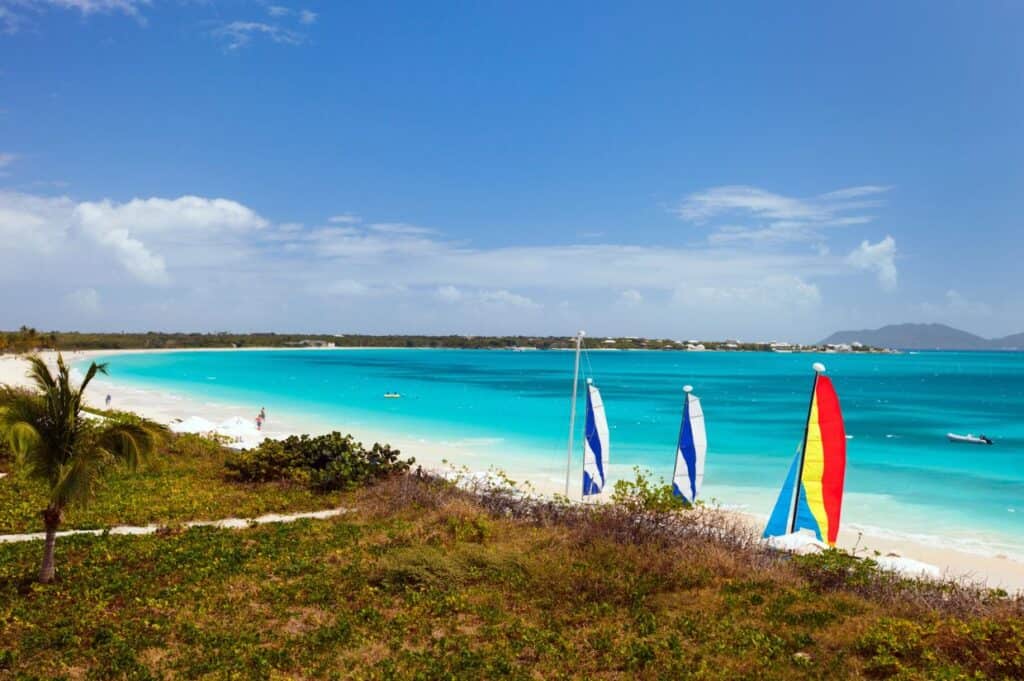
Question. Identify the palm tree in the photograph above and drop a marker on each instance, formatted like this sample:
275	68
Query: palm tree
55	443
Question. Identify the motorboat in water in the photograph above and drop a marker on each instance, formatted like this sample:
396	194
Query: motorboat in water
969	439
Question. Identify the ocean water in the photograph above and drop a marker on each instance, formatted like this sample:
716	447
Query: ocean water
511	409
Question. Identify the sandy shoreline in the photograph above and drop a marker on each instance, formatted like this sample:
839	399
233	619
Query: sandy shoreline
166	407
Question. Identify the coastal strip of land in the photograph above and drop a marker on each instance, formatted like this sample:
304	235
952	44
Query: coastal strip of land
168	408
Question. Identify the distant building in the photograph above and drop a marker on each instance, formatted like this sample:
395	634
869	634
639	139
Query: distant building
309	343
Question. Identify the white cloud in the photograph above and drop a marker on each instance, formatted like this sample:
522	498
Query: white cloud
955	306
7	159
15	14
218	263
503	297
344	219
238	34
346	288
180	216
631	297
756	215
278	11
449	294
500	297
773	292
307	17
880	257
84	300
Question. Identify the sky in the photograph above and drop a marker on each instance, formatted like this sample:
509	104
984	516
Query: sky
761	171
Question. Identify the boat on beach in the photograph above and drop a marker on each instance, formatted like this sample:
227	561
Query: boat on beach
969	439
595	434
691	449
811	498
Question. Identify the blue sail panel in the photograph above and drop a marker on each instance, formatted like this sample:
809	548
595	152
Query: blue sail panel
595	444
690	451
781	518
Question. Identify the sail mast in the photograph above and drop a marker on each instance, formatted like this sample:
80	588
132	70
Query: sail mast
819	369
572	410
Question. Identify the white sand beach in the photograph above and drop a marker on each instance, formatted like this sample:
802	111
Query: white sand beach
169	408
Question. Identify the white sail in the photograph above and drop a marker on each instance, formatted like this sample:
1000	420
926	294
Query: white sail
691	450
595	443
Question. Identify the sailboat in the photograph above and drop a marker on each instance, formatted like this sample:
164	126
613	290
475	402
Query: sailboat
691	449
812	495
595	443
595	437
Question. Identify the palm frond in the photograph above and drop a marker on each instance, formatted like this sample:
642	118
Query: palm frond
131	443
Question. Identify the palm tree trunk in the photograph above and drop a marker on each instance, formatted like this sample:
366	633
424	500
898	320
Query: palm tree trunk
51	519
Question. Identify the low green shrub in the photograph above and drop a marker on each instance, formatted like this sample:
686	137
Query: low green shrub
644	495
325	462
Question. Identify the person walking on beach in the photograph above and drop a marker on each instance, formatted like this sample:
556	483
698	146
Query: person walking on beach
263	414
108	400
259	422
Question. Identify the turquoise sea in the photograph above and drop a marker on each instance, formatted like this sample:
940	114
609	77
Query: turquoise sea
511	410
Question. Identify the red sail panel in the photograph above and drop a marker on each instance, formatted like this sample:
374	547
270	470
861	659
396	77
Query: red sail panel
833	441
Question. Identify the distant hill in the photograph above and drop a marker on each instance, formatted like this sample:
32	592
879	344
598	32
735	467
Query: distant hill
925	337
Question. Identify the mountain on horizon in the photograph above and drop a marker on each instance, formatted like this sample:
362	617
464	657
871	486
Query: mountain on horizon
926	337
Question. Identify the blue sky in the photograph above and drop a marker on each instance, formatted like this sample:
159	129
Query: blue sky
761	170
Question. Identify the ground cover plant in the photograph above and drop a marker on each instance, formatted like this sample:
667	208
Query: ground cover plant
425	580
184	481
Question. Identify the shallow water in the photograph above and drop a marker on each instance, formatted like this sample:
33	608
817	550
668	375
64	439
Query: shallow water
902	473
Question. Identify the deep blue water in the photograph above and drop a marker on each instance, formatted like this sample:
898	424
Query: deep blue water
902	473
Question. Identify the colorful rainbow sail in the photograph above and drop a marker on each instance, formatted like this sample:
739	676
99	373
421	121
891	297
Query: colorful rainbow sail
595	443
690	450
812	496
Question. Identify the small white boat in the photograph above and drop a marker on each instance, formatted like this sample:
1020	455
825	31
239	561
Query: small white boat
969	439
392	396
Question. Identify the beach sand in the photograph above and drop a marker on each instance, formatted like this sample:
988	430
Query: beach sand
166	407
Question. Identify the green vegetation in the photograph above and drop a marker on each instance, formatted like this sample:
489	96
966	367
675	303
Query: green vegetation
422	580
27	340
55	444
325	462
425	579
185	481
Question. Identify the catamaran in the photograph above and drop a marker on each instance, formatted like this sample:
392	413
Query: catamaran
812	495
691	449
595	437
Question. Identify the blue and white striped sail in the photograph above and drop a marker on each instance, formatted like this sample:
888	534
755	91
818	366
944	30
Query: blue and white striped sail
595	443
691	450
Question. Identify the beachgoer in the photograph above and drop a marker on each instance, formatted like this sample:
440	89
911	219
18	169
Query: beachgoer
259	423
263	413
108	401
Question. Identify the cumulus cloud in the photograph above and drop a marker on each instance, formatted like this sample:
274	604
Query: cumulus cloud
740	213
181	215
880	257
219	262
133	233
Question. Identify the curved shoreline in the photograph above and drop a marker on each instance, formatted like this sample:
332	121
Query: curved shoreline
167	406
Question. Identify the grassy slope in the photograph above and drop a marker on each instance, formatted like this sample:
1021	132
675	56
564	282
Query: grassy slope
421	581
186	483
